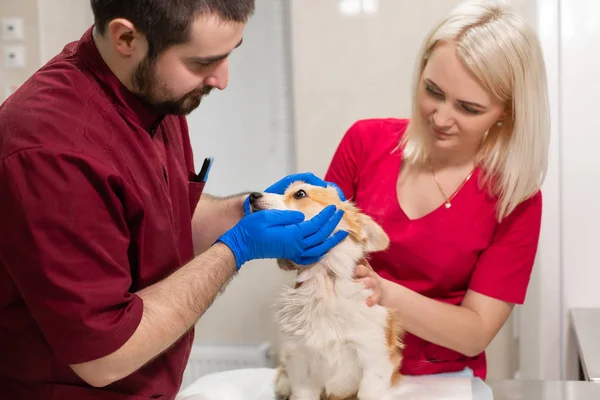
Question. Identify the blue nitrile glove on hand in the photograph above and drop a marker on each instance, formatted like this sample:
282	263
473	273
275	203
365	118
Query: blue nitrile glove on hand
280	186
284	234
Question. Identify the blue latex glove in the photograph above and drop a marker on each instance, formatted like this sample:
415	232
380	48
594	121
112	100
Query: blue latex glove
284	234
280	186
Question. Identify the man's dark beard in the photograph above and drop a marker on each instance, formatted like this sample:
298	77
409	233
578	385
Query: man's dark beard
146	86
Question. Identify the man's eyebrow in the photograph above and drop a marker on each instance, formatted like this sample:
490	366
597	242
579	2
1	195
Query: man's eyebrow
469	103
212	59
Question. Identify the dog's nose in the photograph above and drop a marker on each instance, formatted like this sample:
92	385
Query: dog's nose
255	196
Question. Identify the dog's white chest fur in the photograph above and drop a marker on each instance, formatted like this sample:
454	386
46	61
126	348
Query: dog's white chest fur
325	311
329	329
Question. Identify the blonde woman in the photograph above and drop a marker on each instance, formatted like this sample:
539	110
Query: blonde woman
457	188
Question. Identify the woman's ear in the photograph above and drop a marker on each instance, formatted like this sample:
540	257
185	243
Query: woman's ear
506	113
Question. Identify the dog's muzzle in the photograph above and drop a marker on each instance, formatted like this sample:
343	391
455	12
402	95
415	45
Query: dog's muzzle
254	198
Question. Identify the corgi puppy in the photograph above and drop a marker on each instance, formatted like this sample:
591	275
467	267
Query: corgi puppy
334	346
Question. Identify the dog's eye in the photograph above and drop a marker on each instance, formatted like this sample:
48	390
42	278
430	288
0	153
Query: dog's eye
300	194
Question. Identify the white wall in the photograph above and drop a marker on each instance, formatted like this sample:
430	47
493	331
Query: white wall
247	128
568	274
579	161
61	22
11	78
540	350
348	67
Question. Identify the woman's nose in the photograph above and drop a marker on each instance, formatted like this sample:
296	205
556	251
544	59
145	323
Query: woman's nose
443	117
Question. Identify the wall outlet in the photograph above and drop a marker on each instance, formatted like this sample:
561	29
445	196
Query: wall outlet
12	29
14	56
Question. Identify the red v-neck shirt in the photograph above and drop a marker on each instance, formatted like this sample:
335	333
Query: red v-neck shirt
96	202
444	253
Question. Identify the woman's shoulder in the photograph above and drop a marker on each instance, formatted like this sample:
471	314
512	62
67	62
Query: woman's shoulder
379	126
527	212
531	207
377	132
488	184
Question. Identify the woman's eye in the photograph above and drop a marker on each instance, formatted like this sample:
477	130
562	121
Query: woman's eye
433	92
470	110
300	194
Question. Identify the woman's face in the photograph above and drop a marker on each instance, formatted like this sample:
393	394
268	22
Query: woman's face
457	108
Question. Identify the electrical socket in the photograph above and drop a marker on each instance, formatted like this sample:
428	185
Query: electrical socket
14	56
12	29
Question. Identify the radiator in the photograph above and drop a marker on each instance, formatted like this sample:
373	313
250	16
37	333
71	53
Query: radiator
209	358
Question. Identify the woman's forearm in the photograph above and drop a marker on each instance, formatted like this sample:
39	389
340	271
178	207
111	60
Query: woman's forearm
455	327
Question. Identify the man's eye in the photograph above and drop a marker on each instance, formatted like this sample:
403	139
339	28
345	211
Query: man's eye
300	194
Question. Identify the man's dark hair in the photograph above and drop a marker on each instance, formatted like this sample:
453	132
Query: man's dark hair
167	22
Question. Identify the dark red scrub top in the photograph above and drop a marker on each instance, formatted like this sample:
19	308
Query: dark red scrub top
444	253
96	200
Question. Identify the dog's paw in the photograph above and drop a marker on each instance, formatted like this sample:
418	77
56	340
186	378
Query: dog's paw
375	394
386	396
279	396
283	389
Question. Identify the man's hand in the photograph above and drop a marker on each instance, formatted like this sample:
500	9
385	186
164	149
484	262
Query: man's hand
280	186
284	234
364	273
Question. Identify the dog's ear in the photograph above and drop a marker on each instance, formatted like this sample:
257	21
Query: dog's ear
376	238
286	265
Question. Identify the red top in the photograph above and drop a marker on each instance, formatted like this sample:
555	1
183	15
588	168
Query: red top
95	205
447	251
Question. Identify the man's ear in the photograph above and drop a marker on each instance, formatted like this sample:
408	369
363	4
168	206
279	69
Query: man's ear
375	236
125	38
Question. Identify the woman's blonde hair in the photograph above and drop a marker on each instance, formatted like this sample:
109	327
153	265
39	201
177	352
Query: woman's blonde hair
503	52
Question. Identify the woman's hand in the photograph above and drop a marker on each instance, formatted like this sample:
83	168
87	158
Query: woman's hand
365	274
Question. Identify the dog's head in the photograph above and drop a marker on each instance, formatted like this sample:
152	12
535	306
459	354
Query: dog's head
364	234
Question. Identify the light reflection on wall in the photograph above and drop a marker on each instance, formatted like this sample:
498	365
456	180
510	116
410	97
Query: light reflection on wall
355	7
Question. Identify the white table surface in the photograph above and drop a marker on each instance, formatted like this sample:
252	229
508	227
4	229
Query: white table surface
544	390
256	384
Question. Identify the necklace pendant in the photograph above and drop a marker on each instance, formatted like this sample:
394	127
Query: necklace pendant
448	205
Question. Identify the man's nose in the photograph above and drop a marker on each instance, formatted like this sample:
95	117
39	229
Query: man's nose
219	77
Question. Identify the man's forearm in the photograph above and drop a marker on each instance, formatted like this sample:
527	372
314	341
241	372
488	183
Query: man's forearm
171	307
213	217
